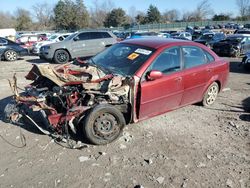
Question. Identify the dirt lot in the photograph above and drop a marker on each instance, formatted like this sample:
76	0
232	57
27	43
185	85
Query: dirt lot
189	147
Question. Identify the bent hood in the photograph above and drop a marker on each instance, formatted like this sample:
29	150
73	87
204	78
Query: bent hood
90	77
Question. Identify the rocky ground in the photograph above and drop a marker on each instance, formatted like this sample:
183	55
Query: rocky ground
190	147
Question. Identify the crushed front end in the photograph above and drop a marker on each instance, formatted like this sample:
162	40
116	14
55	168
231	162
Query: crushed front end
64	95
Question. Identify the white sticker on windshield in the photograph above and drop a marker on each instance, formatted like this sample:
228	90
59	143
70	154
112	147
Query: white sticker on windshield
143	51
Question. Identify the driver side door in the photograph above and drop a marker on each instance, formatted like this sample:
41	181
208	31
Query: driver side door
165	93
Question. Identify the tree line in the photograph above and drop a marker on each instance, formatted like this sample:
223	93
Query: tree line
74	15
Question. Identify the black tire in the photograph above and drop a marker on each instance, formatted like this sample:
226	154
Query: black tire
61	56
210	95
9	110
10	55
103	124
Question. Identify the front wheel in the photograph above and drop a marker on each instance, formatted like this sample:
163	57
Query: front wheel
103	124
211	94
10	55
61	56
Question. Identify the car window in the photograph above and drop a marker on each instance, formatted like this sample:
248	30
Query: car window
83	36
65	36
60	38
2	41
106	35
123	59
95	35
168	61
209	57
193	56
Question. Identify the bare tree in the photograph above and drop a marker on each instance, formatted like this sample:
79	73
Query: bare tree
202	11
99	12
23	20
170	15
132	13
7	20
43	14
243	6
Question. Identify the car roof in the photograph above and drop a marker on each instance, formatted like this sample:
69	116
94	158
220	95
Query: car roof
155	42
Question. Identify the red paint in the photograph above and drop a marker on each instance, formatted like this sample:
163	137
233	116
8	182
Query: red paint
168	92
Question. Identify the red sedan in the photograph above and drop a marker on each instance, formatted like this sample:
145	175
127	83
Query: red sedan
128	82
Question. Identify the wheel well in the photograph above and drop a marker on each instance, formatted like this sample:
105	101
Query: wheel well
219	84
66	51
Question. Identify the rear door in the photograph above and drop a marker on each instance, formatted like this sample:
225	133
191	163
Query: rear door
165	93
96	43
196	74
80	45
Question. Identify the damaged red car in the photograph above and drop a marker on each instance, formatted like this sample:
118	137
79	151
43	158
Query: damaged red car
128	82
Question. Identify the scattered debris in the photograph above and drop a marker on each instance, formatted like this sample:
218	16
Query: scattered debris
106	179
160	179
201	165
57	182
226	89
95	164
229	183
127	137
138	186
209	157
79	144
102	153
108	174
184	184
83	158
122	146
149	161
231	123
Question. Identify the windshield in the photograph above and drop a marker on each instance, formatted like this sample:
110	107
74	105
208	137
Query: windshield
124	59
71	36
52	37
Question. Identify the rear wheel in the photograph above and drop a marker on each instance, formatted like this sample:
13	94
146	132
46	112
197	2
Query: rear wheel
61	56
103	124
211	94
10	55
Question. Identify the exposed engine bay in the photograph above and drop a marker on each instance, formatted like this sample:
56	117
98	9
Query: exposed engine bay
63	95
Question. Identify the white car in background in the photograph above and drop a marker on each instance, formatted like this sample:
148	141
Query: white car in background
182	35
52	39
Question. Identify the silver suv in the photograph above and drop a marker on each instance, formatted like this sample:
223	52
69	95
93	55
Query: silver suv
80	44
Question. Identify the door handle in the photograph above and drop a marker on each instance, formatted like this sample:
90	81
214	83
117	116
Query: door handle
178	79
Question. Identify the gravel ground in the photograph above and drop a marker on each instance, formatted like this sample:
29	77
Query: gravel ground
189	147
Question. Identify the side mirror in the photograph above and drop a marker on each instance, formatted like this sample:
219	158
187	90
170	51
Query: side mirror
76	38
154	74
